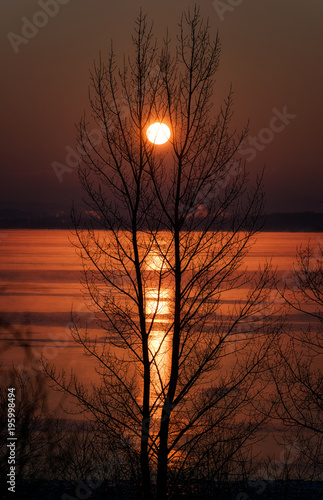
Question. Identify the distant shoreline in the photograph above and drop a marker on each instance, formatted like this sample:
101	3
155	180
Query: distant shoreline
306	222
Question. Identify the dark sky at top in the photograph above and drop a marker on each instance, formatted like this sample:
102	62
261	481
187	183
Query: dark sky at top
271	52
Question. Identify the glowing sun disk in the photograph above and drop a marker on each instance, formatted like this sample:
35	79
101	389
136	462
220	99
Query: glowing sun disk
158	133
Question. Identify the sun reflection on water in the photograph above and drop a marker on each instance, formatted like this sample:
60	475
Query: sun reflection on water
156	261
157	302
158	309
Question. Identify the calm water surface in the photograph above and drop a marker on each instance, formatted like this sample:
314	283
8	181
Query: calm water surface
40	285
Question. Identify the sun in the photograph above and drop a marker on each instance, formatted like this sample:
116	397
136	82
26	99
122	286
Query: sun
158	133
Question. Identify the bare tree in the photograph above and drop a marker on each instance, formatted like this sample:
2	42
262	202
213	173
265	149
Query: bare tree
170	225
297	373
35	431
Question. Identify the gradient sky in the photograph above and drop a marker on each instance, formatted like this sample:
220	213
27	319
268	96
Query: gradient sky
271	52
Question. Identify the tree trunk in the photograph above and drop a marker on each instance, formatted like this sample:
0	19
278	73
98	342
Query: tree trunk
144	459
145	426
162	455
167	408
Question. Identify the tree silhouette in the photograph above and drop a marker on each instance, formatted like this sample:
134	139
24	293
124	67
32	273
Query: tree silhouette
297	372
162	255
35	431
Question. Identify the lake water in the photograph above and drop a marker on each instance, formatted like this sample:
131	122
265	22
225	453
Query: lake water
40	285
